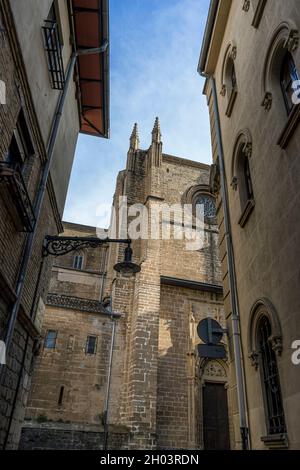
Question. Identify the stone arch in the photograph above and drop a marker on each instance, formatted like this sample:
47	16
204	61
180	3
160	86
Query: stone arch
215	370
190	194
284	38
263	307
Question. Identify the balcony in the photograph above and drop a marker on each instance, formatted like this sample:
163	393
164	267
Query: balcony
53	48
15	196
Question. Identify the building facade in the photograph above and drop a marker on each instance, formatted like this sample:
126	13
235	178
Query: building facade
251	60
157	378
43	108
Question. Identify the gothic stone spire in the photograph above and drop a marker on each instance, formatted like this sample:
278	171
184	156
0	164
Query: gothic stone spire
155	150
156	133
134	138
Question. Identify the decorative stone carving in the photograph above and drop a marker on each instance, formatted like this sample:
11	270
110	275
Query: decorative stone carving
276	343
233	52
223	90
247	149
234	183
214	369
254	359
246	5
292	41
267	101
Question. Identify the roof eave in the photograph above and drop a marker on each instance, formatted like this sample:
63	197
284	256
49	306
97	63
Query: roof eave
105	18
213	35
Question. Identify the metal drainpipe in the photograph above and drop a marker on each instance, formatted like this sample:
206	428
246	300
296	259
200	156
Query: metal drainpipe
114	316
235	317
40	195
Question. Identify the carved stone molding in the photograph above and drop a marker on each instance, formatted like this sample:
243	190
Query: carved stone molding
276	343
234	183
267	101
254	356
292	41
214	369
223	90
247	149
214	182
233	52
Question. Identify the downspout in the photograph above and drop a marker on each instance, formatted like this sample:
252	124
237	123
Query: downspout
114	316
235	317
40	195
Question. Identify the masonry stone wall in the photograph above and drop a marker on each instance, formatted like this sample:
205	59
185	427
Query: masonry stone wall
15	376
179	382
64	437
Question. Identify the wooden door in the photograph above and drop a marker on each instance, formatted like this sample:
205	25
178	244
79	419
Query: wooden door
215	417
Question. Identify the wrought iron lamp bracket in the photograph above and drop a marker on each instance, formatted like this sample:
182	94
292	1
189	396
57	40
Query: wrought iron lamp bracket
60	246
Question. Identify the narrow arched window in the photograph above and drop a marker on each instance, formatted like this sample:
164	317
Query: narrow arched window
288	75
244	179
78	262
270	379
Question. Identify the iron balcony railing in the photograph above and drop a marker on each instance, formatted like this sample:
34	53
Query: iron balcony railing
53	49
17	196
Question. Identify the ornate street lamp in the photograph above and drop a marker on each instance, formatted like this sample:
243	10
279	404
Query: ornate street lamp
59	246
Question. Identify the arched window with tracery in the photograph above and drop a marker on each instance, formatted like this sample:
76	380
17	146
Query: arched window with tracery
206	204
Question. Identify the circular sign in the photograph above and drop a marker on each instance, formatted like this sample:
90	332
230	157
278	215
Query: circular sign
210	331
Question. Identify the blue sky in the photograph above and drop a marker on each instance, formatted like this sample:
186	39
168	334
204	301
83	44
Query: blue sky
155	46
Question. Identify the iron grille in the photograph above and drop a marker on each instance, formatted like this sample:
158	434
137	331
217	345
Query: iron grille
11	176
52	47
270	375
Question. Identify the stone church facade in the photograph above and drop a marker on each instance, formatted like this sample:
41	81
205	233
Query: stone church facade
161	395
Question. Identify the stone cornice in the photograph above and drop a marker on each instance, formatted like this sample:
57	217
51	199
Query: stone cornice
187	283
184	161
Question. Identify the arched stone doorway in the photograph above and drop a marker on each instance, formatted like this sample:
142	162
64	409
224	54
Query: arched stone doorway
212	405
